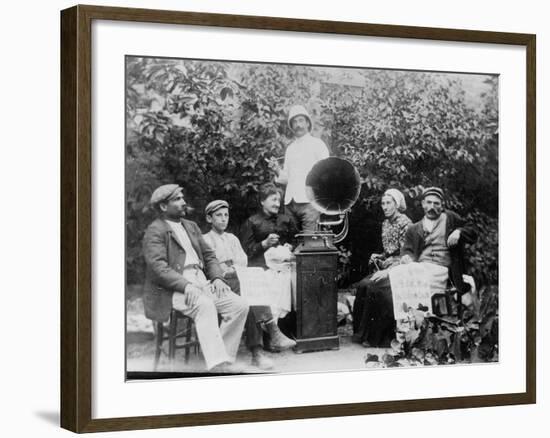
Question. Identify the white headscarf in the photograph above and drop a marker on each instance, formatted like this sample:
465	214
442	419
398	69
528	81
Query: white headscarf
398	198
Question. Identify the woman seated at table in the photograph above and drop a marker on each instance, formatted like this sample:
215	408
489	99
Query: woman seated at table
268	230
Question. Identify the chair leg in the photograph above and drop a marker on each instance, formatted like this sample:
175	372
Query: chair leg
158	344
459	307
172	339
188	337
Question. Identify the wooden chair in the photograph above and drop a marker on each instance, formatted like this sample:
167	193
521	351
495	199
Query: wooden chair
449	303
179	327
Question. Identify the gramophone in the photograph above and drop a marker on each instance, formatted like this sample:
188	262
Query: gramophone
332	187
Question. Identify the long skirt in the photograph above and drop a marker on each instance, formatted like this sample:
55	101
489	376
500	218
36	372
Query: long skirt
373	319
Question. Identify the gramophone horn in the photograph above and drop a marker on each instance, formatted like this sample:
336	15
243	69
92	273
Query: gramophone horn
333	186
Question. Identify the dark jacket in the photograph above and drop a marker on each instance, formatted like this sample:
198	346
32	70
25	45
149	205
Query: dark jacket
257	227
414	244
165	259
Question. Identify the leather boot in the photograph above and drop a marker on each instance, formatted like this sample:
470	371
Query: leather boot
278	341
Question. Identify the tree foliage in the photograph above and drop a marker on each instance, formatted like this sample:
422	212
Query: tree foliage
212	127
409	130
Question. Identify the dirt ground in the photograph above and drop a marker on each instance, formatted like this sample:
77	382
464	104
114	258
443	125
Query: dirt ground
140	351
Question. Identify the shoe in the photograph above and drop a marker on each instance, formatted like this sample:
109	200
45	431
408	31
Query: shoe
278	341
261	361
227	368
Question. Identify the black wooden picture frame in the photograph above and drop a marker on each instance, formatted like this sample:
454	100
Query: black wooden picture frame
76	217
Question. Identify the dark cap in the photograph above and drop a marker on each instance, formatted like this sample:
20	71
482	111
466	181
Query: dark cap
435	191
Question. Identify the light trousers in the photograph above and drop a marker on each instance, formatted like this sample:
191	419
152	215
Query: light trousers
218	343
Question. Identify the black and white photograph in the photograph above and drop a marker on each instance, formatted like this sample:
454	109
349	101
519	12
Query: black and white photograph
275	219
286	218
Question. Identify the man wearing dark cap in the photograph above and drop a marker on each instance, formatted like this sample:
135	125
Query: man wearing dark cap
438	238
183	273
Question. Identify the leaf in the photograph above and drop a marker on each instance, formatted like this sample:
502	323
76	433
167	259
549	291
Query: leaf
226	92
371	358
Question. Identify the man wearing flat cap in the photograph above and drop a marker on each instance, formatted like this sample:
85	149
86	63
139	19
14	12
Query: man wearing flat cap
183	274
438	239
226	246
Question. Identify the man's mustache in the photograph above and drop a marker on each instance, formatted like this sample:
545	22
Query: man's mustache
186	209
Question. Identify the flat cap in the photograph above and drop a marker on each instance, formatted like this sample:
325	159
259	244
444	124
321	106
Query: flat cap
435	191
165	193
214	206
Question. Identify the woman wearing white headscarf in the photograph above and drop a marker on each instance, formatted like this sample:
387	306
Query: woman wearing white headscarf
393	228
373	321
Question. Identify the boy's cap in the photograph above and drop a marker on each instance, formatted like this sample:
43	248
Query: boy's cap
214	206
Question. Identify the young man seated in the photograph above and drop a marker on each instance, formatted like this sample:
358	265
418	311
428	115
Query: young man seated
229	253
